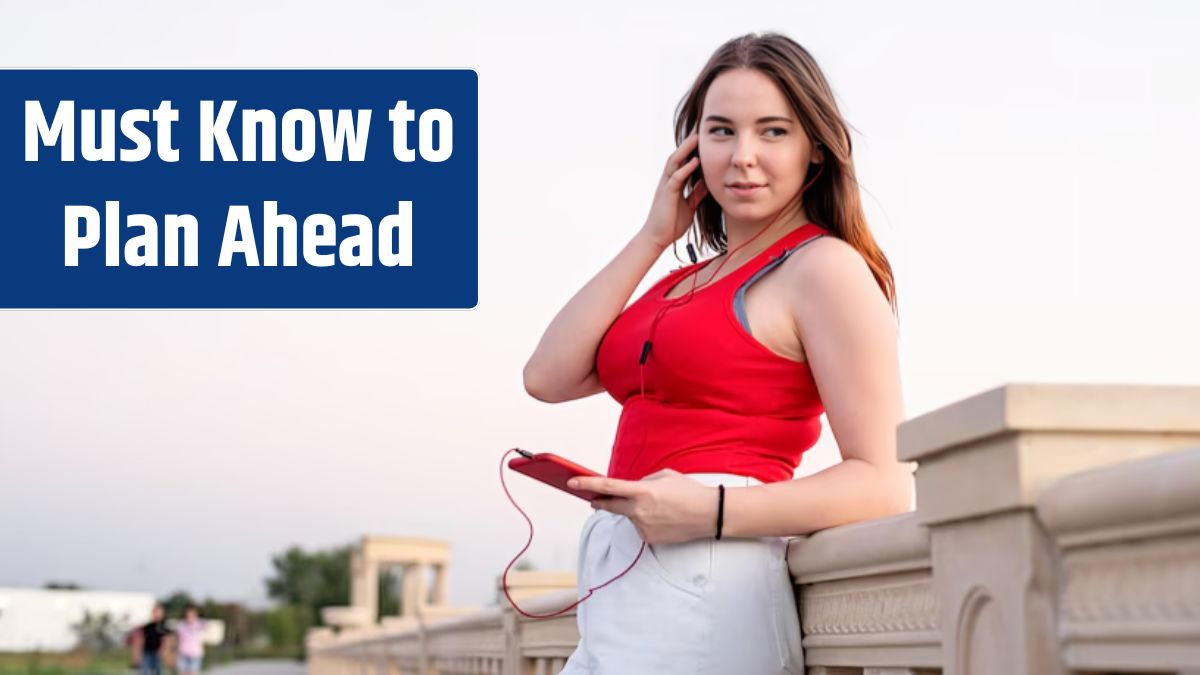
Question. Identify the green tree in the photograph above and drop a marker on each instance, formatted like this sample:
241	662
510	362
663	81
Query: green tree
311	581
175	603
99	632
390	595
286	625
241	624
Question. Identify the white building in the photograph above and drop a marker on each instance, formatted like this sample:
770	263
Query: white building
37	619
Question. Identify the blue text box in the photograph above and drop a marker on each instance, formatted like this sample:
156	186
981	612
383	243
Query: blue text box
432	176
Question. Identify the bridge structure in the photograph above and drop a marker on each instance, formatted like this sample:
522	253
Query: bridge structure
1056	532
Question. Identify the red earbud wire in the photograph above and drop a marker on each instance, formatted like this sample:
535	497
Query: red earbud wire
504	579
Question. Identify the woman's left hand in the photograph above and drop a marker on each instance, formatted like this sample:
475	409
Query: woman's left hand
666	507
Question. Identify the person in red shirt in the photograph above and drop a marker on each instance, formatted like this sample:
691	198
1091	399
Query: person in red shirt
723	368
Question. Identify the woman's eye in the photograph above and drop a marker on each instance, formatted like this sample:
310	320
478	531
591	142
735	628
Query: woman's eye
718	130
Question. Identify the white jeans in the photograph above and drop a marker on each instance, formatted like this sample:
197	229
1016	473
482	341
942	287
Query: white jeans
704	606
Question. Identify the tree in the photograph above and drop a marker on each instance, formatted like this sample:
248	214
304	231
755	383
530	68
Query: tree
241	624
390	594
286	625
309	582
99	632
175	603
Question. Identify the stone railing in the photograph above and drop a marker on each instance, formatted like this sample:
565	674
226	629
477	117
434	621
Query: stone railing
493	640
1057	532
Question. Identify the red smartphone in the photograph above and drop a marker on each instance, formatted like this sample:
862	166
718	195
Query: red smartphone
552	470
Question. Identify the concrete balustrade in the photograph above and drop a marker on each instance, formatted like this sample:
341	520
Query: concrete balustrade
866	595
1057	531
1129	542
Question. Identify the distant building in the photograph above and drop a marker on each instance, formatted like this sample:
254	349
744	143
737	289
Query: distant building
38	619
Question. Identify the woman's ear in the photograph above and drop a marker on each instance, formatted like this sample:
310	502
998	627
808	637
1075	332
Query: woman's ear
818	154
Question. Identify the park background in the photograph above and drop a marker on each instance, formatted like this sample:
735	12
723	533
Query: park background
1028	167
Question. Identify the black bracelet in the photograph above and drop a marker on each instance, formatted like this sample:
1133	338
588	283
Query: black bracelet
720	508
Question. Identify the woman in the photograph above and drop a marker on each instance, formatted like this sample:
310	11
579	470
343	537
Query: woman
191	641
723	368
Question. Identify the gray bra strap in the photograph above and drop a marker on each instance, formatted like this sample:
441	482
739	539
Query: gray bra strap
739	298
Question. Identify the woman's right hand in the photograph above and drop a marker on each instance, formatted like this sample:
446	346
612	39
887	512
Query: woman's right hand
563	366
670	214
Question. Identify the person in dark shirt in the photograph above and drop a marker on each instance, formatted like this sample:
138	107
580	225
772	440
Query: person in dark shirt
153	635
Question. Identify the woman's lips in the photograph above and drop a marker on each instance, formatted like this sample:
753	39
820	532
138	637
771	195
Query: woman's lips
745	191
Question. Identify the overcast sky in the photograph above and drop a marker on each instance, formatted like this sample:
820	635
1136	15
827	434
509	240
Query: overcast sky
1026	167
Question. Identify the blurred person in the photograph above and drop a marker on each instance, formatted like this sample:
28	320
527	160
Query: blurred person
150	640
190	638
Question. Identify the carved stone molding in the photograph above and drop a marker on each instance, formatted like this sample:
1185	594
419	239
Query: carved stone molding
1129	588
903	603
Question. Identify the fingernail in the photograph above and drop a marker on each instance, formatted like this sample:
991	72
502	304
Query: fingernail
572	484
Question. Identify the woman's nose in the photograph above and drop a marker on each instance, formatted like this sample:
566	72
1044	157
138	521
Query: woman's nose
744	153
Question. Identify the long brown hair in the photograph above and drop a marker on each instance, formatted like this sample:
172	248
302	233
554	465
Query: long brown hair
833	200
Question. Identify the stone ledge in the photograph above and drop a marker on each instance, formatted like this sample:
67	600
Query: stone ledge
884	545
1146	498
1051	407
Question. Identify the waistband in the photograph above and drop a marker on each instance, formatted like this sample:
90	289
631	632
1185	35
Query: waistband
726	479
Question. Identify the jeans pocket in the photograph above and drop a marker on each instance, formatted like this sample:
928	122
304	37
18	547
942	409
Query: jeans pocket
687	565
647	621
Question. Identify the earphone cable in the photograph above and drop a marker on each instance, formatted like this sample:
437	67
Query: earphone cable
504	578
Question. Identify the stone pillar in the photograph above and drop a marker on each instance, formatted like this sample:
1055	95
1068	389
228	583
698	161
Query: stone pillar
371	580
421	583
439	584
412	589
982	464
512	644
364	584
358	594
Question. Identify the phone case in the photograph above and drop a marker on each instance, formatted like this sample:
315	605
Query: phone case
554	470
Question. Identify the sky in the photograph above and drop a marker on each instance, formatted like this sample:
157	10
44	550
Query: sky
1028	167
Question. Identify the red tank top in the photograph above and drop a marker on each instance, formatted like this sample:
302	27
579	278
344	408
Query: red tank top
717	400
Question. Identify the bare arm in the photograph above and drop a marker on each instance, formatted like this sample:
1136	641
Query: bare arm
562	367
849	336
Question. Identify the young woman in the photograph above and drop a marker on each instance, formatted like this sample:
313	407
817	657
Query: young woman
191	642
723	368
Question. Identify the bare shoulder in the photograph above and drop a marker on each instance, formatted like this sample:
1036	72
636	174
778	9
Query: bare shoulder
827	263
830	286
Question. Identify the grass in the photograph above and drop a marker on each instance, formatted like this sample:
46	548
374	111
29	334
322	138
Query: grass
117	662
71	663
